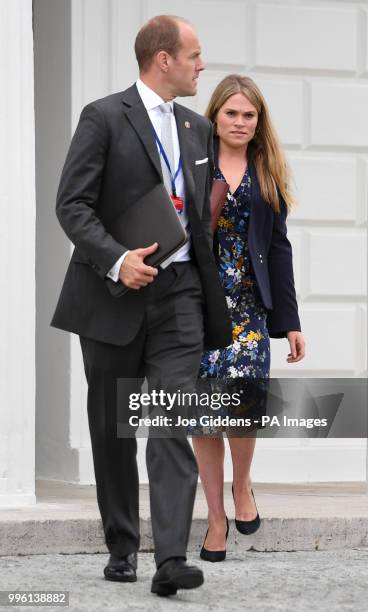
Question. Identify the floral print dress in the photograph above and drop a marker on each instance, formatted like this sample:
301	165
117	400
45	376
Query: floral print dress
249	354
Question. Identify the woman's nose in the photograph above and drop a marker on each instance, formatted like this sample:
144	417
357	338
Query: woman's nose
240	121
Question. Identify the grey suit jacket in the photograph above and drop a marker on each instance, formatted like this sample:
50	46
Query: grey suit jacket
112	161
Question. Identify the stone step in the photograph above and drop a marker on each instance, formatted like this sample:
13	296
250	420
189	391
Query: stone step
295	517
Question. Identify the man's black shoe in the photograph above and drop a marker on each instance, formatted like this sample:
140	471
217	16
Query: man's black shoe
176	574
122	569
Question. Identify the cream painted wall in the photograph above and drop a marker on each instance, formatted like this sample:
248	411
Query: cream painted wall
310	59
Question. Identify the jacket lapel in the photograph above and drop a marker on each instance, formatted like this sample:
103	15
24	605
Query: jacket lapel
259	209
187	147
138	117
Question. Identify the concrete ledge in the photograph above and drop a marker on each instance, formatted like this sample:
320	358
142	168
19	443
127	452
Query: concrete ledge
323	516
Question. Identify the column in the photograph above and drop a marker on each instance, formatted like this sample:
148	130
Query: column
17	255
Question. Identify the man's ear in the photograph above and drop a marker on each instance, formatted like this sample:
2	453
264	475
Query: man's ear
162	60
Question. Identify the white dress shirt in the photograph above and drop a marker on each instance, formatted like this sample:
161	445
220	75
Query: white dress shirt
152	101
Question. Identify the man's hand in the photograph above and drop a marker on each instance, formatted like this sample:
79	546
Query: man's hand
133	271
297	346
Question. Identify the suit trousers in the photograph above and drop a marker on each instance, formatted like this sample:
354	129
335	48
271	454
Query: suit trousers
167	352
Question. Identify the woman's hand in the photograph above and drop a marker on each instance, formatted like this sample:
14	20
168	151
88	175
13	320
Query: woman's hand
297	346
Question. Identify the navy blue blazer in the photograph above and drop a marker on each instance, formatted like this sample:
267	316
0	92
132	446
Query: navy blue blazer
271	257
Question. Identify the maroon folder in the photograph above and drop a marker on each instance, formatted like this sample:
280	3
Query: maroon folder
217	200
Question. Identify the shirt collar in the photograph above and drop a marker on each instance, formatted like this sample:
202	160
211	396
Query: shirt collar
149	97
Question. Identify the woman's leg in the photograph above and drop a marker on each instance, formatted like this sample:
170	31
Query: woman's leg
242	449
210	453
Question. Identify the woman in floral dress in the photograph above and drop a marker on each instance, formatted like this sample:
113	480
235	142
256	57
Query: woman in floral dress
255	265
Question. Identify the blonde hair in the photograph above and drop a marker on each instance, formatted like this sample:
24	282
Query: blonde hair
265	149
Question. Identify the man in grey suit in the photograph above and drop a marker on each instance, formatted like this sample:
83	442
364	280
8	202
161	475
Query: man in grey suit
124	145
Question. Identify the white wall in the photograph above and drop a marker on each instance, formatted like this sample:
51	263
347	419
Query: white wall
311	61
308	59
17	255
52	51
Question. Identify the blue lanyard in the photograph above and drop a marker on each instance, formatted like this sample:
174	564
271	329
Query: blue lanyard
163	153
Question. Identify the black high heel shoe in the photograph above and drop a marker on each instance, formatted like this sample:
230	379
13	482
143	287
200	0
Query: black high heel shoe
247	527
214	555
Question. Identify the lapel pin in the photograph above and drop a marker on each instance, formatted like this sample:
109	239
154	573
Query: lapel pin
187	124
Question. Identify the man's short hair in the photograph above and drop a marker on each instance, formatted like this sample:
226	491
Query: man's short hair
161	33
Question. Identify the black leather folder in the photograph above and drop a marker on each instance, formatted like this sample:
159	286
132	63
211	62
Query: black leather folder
152	218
